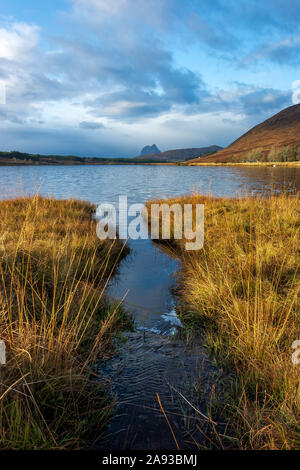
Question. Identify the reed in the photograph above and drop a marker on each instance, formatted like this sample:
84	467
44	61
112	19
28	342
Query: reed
55	321
241	291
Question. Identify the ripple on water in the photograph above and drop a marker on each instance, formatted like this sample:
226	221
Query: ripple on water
154	360
148	363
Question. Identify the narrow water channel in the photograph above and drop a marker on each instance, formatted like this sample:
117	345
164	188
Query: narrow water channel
155	359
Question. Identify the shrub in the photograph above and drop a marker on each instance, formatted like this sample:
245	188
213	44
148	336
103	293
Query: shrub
253	156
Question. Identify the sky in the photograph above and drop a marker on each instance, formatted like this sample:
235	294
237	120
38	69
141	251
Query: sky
106	77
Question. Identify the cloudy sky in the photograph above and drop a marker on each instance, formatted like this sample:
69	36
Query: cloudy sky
106	77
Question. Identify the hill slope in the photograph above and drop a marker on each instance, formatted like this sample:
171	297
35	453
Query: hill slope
282	129
179	155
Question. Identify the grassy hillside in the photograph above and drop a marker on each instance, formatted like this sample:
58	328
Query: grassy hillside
276	139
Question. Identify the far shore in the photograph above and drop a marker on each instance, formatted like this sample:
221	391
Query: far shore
271	164
293	164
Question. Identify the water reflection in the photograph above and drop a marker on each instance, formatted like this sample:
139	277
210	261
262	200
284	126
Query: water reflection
140	183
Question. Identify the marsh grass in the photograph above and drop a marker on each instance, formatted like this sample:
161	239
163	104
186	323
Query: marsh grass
55	321
242	292
293	164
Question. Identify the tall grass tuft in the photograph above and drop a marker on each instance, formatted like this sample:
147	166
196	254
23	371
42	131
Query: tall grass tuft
242	291
55	321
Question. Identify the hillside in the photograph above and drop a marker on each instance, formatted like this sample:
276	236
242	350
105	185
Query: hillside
281	130
179	155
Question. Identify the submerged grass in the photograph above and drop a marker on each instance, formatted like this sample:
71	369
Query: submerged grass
242	292
55	321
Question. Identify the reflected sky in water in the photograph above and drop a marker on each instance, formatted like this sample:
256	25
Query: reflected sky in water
105	183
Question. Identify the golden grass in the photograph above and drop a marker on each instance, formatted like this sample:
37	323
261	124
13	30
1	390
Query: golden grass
242	291
289	164
55	321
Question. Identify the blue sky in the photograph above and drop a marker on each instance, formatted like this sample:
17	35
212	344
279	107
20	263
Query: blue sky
105	78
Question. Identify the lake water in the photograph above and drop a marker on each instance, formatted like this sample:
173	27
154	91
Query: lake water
99	183
153	359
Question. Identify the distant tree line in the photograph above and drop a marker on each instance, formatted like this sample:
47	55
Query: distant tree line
60	159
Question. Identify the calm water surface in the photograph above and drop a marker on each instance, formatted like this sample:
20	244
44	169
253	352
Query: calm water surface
98	183
152	359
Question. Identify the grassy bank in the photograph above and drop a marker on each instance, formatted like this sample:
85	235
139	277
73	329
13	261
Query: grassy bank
241	291
55	322
281	164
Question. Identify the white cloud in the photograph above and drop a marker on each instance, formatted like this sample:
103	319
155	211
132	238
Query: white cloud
17	40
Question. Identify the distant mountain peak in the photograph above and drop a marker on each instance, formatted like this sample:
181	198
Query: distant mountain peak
150	150
178	155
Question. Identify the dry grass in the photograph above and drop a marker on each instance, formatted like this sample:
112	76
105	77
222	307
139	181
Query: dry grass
55	321
242	291
289	164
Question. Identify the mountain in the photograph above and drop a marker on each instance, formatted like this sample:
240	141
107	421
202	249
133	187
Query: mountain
150	150
280	130
179	155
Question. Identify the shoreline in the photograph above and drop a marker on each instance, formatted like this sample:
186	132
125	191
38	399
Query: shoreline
272	164
86	164
242	164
